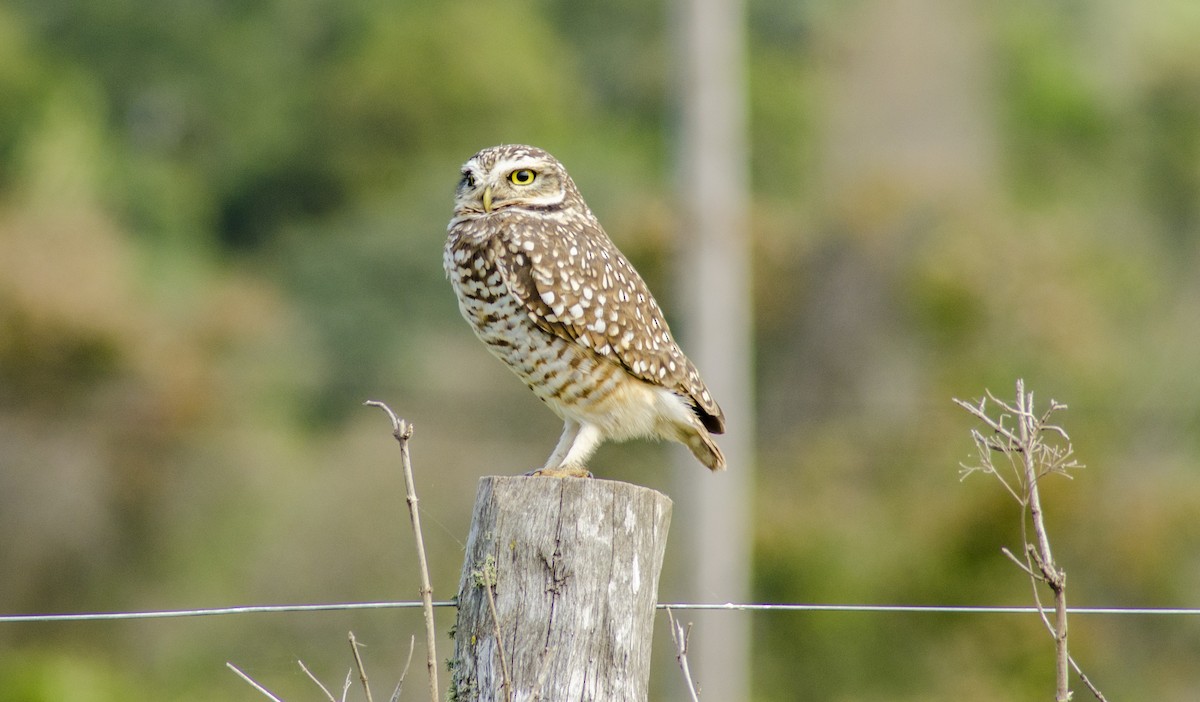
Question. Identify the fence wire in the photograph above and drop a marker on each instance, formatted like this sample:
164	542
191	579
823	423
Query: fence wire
708	606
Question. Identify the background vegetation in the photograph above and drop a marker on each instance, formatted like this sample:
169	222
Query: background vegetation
220	232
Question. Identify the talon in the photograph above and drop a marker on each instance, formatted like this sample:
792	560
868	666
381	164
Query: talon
571	472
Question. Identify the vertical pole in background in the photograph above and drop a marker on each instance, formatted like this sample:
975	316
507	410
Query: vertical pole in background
715	290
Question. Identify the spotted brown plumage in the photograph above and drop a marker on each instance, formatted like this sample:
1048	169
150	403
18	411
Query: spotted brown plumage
550	295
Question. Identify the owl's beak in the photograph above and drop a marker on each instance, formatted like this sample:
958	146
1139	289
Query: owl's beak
487	199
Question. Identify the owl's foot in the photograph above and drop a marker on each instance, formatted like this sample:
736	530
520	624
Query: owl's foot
561	472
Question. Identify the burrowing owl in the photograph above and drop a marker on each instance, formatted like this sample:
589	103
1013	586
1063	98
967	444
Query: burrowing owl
550	295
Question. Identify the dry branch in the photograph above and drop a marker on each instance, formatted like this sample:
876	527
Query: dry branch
680	636
402	431
1032	449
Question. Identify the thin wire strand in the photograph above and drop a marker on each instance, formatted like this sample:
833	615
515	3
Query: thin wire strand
945	609
728	606
215	611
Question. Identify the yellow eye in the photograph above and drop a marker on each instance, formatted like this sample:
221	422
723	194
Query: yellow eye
523	176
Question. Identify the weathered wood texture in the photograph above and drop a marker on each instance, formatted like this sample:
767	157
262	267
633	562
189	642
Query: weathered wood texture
573	565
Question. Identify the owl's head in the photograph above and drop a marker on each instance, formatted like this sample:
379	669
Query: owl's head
514	177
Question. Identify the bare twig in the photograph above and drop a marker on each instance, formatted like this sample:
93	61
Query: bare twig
358	664
1087	682
328	695
412	643
499	645
255	685
1030	454
1019	563
486	578
680	637
403	431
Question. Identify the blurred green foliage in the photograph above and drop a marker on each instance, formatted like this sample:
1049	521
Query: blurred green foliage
220	231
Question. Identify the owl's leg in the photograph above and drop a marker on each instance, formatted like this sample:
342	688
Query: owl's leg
570	431
577	443
587	440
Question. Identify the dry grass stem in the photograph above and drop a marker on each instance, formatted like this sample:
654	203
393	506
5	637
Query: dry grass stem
267	693
358	664
680	636
412	644
402	431
328	695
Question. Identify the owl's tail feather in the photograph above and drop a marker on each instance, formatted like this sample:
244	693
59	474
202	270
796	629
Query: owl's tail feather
702	446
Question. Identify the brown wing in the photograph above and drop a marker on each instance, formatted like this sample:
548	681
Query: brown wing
581	288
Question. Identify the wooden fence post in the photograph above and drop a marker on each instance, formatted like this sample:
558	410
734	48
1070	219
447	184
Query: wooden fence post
558	591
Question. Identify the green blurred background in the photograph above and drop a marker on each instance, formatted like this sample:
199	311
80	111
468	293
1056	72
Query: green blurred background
220	232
